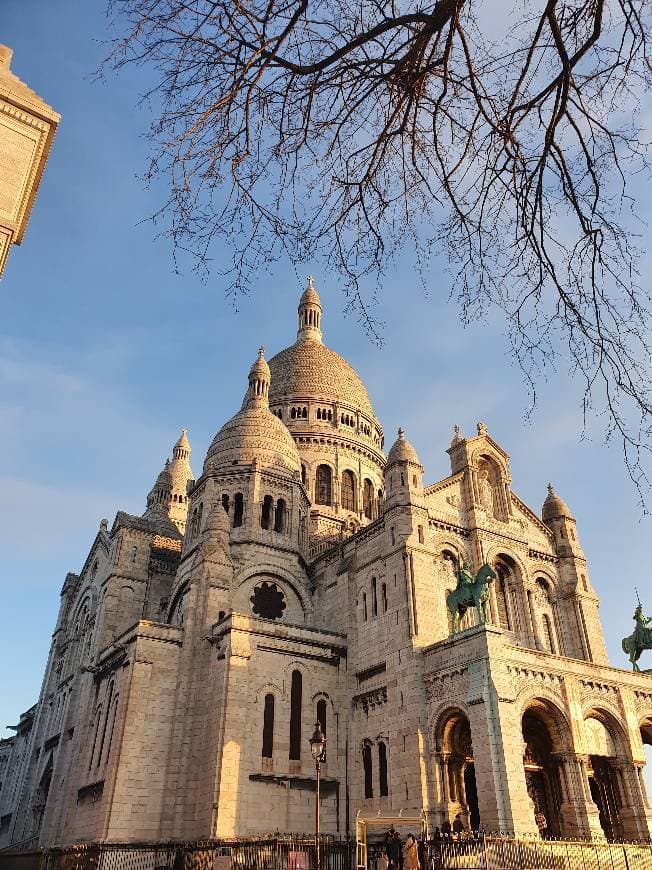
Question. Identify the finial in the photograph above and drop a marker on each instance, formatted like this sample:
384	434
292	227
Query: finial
550	489
104	525
482	429
401	432
261	352
456	429
311	285
167	463
6	54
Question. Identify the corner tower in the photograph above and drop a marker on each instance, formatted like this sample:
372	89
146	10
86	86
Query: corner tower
326	407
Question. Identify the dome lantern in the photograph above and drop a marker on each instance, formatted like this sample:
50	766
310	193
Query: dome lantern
310	312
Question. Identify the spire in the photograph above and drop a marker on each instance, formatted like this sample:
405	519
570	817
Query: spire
310	312
259	380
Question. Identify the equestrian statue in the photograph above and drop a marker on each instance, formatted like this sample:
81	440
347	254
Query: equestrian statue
471	591
640	640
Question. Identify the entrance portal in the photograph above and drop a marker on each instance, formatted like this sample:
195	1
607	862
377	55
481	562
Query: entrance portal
542	774
603	780
458	774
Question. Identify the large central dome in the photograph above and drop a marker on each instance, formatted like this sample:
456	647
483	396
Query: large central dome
308	368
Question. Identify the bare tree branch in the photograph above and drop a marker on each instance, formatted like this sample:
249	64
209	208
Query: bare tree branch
340	129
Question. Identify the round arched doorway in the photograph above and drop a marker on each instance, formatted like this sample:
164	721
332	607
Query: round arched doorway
603	776
542	777
458	772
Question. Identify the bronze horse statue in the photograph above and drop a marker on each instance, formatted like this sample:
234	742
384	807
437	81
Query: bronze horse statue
471	591
640	640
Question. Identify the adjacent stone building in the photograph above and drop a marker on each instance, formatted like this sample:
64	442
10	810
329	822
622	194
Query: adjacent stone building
303	576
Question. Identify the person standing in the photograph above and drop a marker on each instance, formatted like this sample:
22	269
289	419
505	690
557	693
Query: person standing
411	854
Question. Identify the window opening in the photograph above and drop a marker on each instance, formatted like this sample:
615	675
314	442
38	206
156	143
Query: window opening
268	727
295	716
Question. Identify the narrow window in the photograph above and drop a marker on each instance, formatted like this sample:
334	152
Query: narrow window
266	515
348	491
106	723
380	502
364	606
303	474
368	771
501	599
374	597
547	634
384	594
98	720
295	717
225	502
279	516
392	536
199	517
268	727
382	768
368	499
421	538
304	413
323	494
321	715
115	713
402	479
238	509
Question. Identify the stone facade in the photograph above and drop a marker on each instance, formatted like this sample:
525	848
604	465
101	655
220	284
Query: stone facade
303	577
27	128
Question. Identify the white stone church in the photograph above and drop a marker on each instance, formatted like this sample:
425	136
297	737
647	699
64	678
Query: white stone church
302	577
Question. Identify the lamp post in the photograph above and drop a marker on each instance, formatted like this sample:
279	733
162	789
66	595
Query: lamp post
317	747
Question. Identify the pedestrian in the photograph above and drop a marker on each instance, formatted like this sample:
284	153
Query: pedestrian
411	854
458	825
393	849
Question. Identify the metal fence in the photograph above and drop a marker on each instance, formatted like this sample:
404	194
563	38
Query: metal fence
481	852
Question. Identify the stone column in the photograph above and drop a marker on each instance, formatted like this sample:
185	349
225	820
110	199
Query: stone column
635	815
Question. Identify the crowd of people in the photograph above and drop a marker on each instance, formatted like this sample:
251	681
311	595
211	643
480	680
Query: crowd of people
413	853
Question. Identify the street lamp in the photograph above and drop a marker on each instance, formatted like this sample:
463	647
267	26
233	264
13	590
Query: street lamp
317	748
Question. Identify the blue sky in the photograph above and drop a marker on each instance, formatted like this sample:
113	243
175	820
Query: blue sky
105	353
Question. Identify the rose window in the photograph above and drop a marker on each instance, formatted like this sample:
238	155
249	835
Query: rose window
268	601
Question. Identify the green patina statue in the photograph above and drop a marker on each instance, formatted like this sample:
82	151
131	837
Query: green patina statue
471	591
640	640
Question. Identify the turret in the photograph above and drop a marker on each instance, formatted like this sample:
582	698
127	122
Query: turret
310	312
586	629
403	473
168	497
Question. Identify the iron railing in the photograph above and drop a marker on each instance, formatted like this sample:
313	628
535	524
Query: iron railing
476	852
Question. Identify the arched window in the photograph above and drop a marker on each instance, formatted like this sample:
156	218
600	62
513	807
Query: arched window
380	502
238	509
98	724
295	716
384	595
266	514
501	597
368	499
374	597
268	727
279	516
421	537
348	491
304	413
392	536
199	517
324	488
321	715
382	769
364	606
225	502
368	771
303	474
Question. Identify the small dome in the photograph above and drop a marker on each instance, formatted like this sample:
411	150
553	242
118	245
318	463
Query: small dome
164	480
310	295
554	506
260	369
402	450
255	433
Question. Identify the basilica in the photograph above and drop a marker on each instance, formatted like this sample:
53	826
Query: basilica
303	577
